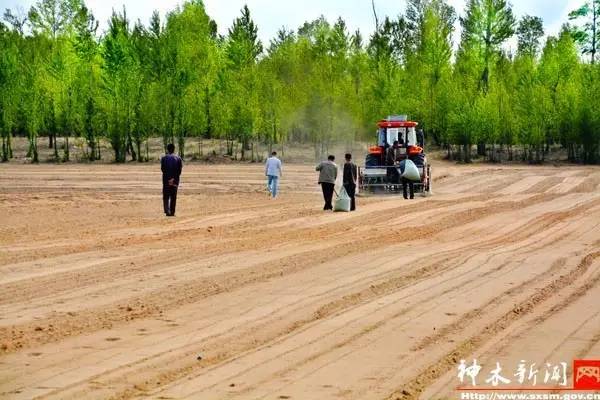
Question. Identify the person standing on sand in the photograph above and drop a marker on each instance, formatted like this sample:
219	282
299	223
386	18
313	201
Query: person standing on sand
273	173
408	184
327	176
350	180
392	157
171	166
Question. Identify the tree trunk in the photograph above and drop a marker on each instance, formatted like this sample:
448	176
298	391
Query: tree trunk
481	149
129	148
33	153
181	144
29	147
55	147
595	12
9	145
138	145
4	150
572	152
92	149
467	151
66	149
98	155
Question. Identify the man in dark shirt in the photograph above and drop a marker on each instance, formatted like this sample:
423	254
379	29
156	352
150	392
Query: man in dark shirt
393	156
350	179
170	165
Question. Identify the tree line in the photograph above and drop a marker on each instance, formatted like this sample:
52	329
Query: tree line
177	79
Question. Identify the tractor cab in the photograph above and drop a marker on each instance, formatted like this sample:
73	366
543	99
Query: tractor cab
403	131
395	128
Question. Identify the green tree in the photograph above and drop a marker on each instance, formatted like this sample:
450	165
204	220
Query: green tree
10	86
320	84
242	50
17	19
588	35
120	85
560	75
433	67
486	26
55	17
529	32
87	81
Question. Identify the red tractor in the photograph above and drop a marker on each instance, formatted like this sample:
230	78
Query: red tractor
378	174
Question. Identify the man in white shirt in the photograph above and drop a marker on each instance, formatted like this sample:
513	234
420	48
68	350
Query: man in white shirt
273	173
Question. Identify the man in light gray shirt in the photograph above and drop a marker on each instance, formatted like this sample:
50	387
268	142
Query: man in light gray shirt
273	173
327	176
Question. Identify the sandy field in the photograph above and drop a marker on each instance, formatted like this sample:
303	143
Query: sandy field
243	297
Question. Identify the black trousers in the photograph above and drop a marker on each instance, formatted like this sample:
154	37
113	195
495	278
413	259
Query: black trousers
169	199
327	194
351	190
393	176
409	183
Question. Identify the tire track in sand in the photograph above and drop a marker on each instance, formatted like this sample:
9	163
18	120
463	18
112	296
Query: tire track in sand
155	303
413	388
352	300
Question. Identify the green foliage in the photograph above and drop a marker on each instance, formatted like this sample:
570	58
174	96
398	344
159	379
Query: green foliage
432	67
56	17
486	26
529	32
178	79
587	35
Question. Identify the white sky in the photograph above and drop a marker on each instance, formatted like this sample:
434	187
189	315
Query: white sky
270	15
